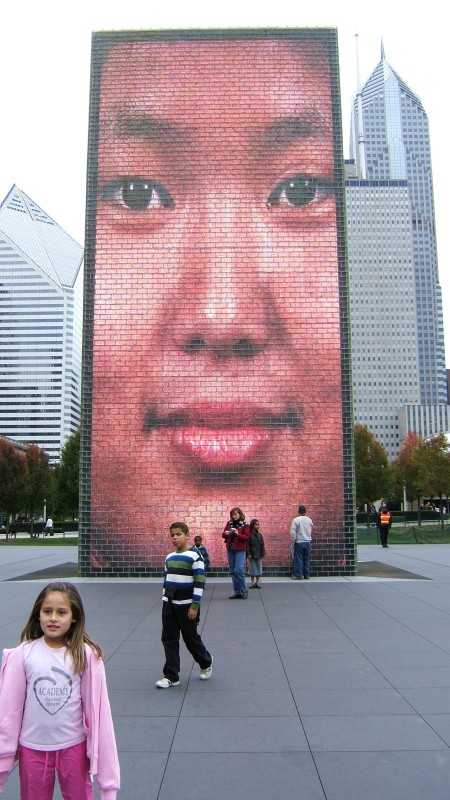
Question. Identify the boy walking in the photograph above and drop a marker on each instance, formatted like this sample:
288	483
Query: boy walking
184	579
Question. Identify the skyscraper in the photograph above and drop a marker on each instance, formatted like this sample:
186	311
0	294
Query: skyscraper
40	326
390	135
382	304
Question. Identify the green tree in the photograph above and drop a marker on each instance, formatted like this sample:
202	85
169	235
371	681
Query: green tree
50	498
67	478
12	480
406	468
372	469
434	469
37	480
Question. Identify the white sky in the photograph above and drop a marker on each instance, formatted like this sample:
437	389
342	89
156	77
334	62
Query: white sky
45	63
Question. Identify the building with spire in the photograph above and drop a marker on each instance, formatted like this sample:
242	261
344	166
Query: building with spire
398	358
40	326
396	146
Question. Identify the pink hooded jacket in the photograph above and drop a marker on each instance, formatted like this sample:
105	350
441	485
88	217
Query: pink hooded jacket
100	739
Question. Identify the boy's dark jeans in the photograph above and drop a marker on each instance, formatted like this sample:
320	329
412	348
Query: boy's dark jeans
175	620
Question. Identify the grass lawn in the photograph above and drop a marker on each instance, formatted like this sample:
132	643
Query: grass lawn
425	534
399	535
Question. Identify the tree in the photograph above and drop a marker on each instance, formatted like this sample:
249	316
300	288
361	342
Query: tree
37	480
434	469
406	467
67	477
372	469
12	480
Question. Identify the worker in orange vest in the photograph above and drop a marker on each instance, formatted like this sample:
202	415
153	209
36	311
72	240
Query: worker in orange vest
384	522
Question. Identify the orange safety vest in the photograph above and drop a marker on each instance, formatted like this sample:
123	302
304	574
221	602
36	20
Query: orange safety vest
385	518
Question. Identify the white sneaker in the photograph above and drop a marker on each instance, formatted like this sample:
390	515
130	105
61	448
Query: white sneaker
165	683
205	674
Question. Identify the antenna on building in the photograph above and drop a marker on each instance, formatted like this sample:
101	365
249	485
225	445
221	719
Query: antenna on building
360	123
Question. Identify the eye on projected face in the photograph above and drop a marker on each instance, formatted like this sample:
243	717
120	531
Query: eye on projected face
137	194
142	194
216	280
275	148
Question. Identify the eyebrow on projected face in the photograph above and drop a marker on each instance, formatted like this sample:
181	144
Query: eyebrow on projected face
279	134
150	128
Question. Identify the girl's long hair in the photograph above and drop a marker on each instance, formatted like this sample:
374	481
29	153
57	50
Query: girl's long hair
241	515
76	637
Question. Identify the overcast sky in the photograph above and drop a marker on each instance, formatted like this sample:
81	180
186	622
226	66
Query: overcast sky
45	62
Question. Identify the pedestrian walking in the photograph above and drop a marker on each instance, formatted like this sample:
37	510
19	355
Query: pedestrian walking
184	579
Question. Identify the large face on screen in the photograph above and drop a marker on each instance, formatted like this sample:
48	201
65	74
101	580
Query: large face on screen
216	360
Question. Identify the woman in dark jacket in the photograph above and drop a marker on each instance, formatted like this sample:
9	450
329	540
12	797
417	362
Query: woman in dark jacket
236	534
256	553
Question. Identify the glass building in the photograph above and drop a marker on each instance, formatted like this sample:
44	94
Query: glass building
40	326
396	146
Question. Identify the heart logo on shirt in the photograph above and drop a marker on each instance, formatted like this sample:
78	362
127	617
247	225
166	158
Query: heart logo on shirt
53	693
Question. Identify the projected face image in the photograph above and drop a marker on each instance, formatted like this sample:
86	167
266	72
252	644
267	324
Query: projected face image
216	355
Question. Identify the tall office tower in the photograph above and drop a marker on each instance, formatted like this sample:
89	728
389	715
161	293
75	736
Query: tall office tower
382	304
390	140
40	326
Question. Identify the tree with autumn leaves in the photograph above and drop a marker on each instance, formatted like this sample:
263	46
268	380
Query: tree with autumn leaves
12	480
423	468
38	479
406	469
373	471
25	480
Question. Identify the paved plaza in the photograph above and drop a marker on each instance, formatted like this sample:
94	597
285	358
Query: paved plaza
331	689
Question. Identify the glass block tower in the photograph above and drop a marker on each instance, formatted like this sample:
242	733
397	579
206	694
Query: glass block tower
396	145
40	326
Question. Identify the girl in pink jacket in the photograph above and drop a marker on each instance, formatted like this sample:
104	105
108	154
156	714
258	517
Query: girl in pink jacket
54	707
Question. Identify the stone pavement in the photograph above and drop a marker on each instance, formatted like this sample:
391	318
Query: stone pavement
332	689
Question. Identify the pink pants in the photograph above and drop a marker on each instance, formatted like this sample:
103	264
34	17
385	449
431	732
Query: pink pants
37	773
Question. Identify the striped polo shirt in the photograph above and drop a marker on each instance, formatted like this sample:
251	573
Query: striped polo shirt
184	573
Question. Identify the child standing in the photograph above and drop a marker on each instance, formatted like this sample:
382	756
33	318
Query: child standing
184	579
256	553
54	706
203	552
